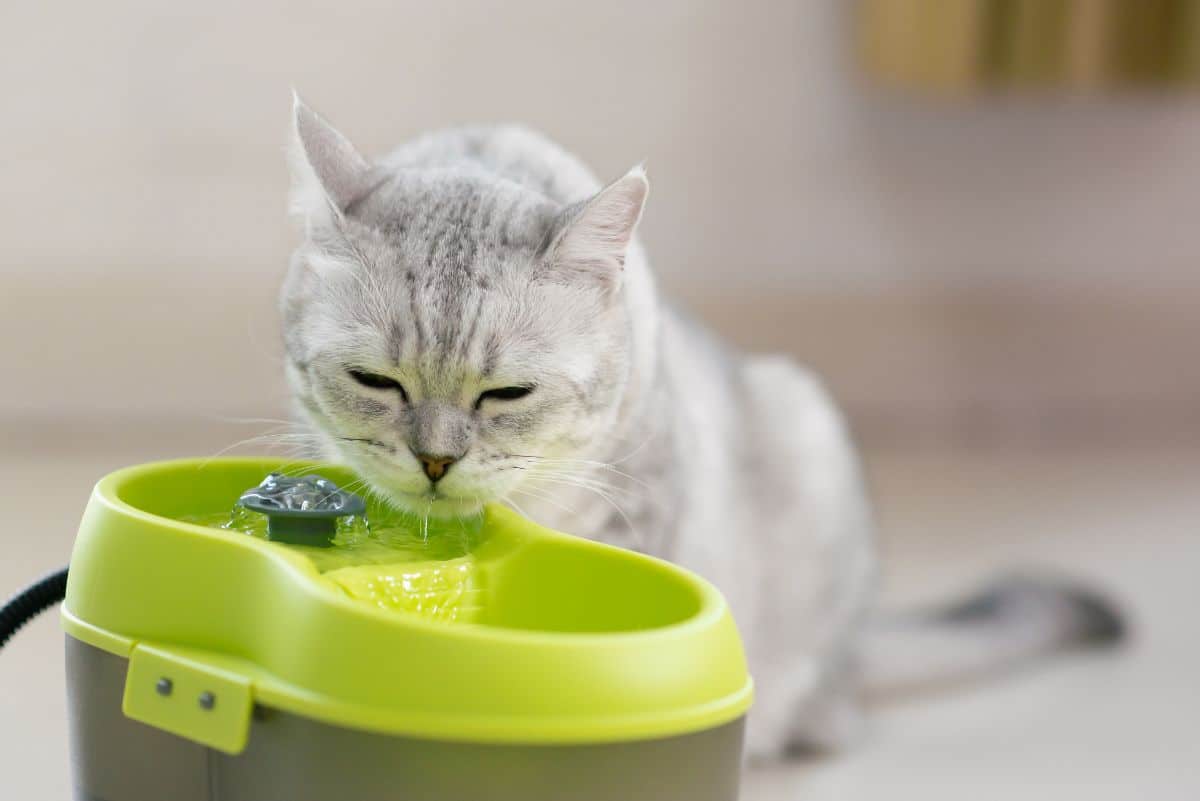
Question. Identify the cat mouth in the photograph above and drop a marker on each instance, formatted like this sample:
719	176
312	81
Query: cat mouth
434	502
431	494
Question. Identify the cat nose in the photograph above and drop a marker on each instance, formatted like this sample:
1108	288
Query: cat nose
435	466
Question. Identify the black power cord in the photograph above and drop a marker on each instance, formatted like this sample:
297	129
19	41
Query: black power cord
31	602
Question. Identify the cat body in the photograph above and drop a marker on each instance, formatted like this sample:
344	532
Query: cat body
470	319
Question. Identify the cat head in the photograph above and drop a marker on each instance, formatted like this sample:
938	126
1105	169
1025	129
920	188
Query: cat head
452	333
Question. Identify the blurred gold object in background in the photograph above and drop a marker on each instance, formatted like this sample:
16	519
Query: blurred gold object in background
972	46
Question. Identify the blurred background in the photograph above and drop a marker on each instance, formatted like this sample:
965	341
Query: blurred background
976	218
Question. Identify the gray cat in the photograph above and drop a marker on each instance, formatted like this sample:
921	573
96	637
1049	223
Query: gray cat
470	319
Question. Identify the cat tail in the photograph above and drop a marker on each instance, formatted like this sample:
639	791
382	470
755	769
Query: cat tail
1014	621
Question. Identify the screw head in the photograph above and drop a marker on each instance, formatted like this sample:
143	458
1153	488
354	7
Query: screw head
207	700
164	686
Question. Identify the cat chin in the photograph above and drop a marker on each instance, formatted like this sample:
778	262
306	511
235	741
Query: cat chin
422	505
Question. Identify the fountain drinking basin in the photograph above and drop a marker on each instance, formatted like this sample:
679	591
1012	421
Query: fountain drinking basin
391	659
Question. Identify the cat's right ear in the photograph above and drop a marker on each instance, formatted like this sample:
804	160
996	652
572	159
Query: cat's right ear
593	236
328	172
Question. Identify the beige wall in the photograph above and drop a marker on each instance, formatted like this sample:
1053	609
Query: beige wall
143	194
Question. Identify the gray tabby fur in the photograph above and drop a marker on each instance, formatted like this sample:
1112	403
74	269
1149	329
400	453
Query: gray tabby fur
480	258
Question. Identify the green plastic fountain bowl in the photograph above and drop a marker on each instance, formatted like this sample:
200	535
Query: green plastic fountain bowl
569	642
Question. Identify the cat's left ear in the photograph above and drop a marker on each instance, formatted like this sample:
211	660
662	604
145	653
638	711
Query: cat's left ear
328	172
594	236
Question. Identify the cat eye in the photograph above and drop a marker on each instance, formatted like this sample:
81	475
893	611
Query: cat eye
376	381
503	393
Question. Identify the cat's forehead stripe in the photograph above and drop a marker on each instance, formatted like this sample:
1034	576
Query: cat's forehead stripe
414	307
470	329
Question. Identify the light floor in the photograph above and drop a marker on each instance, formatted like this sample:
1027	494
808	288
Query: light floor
1104	727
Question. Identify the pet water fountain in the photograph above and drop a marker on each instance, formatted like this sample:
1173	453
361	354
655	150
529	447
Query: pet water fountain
235	638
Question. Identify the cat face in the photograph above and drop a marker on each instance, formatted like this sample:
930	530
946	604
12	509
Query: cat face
451	334
444	400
